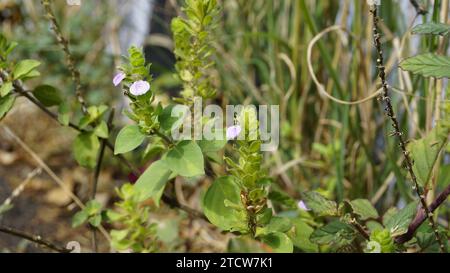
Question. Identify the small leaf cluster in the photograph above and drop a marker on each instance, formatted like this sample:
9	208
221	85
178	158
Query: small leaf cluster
91	124
343	223
92	213
136	232
193	49
11	73
87	144
384	240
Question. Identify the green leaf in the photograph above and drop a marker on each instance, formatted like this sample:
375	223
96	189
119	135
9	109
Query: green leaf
79	218
48	95
300	236
85	148
214	157
113	216
10	48
152	182
102	130
93	207
277	224
335	233
384	239
432	28
6	88
425	152
426	239
166	120
398	223
94	113
279	242
64	114
264	217
364	209
444	176
427	242
186	159
128	139
6	103
222	216
320	205
244	244
374	225
282	198
32	74
389	214
428	65
118	235
23	68
95	220
210	146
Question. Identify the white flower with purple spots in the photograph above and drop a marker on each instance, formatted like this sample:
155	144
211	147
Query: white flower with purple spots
118	78
233	132
139	88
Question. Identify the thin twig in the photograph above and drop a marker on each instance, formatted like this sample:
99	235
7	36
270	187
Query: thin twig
62	41
98	168
33	238
419	9
173	202
101	153
360	229
397	132
22	186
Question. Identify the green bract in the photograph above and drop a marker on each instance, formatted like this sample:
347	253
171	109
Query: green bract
193	49
384	240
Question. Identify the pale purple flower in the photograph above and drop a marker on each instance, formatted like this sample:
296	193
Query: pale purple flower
233	132
119	78
302	206
139	88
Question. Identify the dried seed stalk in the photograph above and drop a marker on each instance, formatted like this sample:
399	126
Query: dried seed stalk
71	64
397	132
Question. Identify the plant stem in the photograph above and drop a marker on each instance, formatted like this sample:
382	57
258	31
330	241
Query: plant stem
33	238
101	153
419	9
421	217
98	168
360	229
71	64
164	137
397	132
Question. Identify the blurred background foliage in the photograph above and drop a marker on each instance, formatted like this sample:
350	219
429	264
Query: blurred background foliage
342	151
